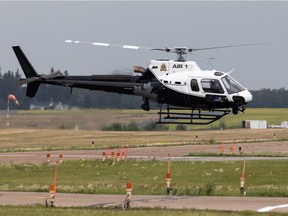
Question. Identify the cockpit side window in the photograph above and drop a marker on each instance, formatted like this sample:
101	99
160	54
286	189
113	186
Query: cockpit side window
194	85
212	86
231	85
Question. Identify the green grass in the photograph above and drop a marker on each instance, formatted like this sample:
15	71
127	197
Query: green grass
12	140
39	210
263	178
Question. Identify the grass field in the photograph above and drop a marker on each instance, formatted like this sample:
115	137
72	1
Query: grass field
94	119
40	210
76	129
263	178
48	139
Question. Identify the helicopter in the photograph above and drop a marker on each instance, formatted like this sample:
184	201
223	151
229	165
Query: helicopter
191	95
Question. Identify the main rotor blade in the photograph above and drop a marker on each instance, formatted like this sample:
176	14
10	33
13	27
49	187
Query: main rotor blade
178	50
228	46
107	44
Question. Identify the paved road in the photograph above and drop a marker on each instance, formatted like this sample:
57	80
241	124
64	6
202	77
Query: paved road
260	204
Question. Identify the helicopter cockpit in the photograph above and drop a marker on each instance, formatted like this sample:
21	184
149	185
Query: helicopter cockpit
211	85
231	85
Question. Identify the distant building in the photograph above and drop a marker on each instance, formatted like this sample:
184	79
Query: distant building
42	105
255	124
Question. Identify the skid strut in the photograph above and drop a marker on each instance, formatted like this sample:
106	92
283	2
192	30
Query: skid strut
176	115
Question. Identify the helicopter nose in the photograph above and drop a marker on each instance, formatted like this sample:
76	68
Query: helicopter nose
248	96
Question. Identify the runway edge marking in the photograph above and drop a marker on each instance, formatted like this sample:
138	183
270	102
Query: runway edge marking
269	208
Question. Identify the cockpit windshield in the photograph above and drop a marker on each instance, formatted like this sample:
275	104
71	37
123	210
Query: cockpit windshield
231	85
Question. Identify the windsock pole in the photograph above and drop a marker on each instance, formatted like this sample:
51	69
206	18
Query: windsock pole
7	116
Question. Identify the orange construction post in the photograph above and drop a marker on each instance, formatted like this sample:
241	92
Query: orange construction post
123	154
107	152
128	195
126	155
52	190
168	178
232	148
242	180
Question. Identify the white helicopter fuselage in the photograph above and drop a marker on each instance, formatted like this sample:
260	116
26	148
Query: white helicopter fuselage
186	77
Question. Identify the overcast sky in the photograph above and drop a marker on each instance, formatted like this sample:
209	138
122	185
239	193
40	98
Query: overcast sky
40	28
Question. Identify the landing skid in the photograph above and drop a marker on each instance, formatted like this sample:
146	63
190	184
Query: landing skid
175	115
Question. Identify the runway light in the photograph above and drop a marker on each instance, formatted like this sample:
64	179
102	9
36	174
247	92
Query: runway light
60	158
48	158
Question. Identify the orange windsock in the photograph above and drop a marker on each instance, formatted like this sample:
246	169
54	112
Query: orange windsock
13	98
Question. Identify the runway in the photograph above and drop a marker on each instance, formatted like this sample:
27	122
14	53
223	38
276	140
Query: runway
156	153
260	204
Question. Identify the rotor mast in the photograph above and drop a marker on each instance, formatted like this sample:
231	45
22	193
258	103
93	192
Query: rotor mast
181	53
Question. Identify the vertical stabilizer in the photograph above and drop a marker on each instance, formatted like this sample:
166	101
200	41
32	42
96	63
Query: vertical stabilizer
29	71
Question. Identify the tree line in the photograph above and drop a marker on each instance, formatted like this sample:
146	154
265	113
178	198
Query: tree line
9	84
